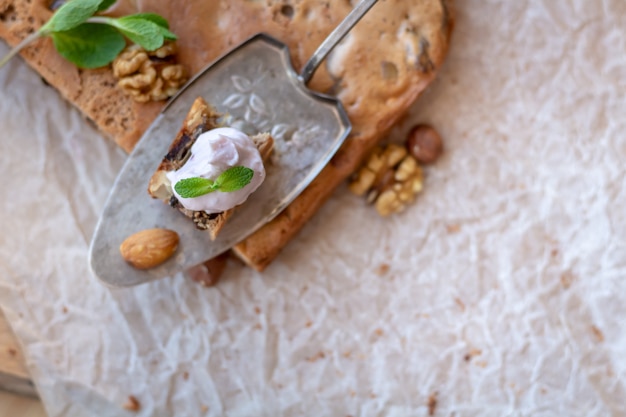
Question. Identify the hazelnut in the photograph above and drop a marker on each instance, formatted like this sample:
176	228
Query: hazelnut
424	143
209	273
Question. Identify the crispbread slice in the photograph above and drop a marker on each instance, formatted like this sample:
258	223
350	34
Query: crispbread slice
201	118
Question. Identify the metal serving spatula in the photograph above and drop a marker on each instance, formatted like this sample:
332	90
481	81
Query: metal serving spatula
256	84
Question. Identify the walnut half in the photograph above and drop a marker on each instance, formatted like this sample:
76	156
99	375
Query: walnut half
390	178
149	75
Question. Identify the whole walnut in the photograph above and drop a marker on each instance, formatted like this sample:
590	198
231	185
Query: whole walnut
149	75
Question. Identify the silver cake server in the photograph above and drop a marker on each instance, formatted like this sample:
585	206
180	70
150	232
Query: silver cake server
256	84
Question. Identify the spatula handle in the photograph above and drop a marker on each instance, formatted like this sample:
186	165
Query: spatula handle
334	38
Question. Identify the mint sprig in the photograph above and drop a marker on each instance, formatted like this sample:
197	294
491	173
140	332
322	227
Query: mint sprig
91	44
232	179
158	20
91	41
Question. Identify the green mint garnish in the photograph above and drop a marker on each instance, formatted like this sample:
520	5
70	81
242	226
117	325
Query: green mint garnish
194	187
160	21
70	15
89	45
140	31
91	41
232	179
105	5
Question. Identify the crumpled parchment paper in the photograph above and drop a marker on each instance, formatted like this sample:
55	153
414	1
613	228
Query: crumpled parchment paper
498	293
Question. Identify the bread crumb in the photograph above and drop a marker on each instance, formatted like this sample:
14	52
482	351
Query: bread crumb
258	326
132	404
204	408
432	403
319	355
469	355
567	278
185	375
453	228
308	324
64	309
382	269
598	333
379	332
352	394
257	310
460	303
208	273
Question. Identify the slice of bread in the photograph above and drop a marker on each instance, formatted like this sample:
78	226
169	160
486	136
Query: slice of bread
201	118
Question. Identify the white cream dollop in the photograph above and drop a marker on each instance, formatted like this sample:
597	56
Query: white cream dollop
213	153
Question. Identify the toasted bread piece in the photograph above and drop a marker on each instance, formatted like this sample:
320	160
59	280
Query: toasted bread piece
201	118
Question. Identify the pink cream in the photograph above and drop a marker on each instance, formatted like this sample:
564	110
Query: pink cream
213	153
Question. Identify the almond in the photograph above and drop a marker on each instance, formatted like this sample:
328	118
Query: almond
149	248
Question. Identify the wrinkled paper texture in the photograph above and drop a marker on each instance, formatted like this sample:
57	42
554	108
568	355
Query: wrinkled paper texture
500	290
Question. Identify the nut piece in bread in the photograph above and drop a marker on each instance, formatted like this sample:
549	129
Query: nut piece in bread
201	118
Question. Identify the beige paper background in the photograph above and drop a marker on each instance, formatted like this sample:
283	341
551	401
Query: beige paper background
514	255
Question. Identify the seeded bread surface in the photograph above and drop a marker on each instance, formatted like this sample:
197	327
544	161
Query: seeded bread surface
379	70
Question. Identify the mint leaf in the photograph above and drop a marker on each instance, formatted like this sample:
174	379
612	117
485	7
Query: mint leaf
90	45
153	17
70	15
141	31
159	20
194	187
234	179
105	5
167	34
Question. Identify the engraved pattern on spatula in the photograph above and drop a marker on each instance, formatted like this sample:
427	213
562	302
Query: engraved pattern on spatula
258	115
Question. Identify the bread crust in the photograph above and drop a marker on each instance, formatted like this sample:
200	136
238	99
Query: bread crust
379	70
